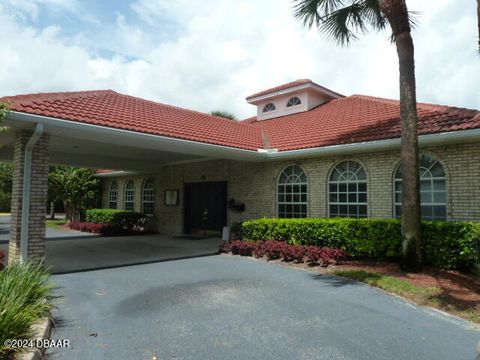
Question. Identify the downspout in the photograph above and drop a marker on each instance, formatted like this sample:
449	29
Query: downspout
27	184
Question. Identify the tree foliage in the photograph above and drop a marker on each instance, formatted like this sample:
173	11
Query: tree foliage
223	114
6	174
76	187
4	109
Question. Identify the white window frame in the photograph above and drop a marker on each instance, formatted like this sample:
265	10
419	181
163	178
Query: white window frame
113	195
129	196
431	179
148	195
292	99
346	182
292	194
269	107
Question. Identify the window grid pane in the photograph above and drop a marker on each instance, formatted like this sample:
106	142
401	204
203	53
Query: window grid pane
129	198
292	193
113	195
148	197
348	191
433	193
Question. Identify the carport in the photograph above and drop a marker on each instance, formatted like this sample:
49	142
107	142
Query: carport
99	130
72	251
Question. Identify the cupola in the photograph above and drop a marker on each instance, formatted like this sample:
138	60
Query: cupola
291	98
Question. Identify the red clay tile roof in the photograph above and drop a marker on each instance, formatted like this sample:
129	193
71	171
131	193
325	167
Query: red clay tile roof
346	120
111	109
281	87
359	118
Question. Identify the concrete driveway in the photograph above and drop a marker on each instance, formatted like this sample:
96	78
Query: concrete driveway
220	307
72	251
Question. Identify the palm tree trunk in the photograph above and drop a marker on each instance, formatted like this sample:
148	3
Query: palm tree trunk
397	14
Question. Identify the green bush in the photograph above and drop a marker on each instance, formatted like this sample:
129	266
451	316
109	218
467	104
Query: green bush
25	297
449	245
105	216
123	220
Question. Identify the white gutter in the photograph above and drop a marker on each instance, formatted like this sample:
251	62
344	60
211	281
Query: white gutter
170	143
247	155
27	182
378	145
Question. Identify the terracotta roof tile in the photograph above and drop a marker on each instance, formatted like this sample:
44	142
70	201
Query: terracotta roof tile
352	119
111	109
359	118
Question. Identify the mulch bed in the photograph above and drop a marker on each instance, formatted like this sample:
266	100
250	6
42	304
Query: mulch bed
460	290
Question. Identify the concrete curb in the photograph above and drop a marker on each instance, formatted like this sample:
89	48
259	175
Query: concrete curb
41	331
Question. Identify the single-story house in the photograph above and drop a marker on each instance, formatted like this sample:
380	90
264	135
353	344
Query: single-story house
308	152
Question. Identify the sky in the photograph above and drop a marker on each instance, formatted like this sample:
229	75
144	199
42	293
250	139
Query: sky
211	54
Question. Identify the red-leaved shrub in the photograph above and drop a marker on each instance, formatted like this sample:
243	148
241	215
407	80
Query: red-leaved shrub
324	256
294	253
244	248
273	250
3	256
87	227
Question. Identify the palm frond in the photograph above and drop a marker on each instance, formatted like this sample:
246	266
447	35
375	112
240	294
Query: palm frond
339	21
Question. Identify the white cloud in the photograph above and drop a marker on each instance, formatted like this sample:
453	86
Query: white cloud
226	49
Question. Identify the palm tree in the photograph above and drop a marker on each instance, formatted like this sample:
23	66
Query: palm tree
224	114
341	20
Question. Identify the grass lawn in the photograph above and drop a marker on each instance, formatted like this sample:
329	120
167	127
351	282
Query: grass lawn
56	224
433	296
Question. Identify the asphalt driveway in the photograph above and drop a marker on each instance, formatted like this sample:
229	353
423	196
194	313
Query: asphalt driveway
220	307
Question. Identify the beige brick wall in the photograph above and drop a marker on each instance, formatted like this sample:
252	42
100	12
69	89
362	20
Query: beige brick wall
255	184
38	199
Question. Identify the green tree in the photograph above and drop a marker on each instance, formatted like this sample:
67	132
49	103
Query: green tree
223	114
4	108
6	174
342	20
76	187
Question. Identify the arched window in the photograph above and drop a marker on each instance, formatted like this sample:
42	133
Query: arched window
113	195
148	196
129	198
294	101
433	190
292	193
269	107
347	195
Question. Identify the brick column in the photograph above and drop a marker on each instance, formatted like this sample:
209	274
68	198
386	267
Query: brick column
38	197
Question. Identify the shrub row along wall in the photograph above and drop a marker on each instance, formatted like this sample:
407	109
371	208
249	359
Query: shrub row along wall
449	245
115	221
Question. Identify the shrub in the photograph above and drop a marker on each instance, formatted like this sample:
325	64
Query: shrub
25	297
294	253
449	245
324	256
273	250
105	216
239	247
3	256
86	227
117	222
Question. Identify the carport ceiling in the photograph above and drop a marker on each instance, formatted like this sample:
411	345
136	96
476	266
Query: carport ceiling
78	151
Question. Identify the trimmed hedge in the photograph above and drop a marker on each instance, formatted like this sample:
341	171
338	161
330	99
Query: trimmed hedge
447	244
106	216
117	222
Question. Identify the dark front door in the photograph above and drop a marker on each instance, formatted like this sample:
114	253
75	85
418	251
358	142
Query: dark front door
205	207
